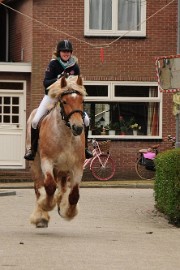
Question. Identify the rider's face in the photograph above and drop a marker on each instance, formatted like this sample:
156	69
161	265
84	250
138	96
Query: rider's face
65	55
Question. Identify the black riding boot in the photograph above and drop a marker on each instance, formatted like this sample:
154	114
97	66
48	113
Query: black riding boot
88	153
31	152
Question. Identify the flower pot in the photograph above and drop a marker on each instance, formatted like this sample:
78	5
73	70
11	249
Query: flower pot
111	132
135	132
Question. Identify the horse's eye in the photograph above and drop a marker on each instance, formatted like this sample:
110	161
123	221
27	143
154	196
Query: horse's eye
64	102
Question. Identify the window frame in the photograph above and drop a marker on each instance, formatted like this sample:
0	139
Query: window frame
114	31
111	98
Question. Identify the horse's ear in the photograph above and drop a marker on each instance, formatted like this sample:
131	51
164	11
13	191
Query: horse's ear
63	82
79	80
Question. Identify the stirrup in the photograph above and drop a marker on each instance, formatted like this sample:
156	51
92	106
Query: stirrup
29	155
88	153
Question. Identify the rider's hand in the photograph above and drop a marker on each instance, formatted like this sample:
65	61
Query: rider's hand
59	76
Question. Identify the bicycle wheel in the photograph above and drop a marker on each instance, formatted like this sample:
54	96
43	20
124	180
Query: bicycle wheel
104	171
142	172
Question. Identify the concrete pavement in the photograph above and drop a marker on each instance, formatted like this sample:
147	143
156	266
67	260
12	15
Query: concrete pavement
116	229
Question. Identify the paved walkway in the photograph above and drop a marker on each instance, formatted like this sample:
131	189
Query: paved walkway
116	229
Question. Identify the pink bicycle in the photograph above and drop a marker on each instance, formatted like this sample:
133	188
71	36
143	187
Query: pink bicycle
101	164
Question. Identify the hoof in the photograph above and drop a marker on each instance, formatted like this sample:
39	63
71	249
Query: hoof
42	224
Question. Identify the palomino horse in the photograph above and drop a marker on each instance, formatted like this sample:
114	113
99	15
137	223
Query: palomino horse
58	166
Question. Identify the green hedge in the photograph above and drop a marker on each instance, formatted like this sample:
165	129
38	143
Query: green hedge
167	184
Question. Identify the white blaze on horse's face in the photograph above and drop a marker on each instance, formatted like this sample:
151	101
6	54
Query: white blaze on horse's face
74	95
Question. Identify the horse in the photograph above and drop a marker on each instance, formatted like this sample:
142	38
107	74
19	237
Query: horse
58	166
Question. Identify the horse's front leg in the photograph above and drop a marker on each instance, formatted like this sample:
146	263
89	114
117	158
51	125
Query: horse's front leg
68	196
47	200
39	217
45	187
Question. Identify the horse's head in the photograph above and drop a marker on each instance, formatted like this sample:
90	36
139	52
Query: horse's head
70	93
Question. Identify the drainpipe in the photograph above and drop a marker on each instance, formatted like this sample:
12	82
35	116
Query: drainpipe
177	145
7	35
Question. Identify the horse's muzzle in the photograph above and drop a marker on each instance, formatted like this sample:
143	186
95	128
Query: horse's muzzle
77	130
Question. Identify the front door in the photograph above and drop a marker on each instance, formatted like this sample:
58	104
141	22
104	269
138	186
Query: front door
12	124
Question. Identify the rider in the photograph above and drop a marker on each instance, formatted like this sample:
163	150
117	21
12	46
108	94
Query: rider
62	63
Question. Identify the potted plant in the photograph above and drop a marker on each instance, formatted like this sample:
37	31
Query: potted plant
123	130
123	125
135	127
112	127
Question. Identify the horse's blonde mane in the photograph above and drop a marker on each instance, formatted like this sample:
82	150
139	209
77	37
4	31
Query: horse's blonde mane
62	85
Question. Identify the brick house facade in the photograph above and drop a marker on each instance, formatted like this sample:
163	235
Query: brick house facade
36	26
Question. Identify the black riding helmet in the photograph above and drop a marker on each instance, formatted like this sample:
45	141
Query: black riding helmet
64	45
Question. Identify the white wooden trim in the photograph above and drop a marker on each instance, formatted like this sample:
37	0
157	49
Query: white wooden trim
114	31
15	67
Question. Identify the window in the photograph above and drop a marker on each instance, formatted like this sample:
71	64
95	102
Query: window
10	102
118	106
115	18
9	110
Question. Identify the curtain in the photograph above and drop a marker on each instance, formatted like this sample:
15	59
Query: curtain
153	115
129	12
100	14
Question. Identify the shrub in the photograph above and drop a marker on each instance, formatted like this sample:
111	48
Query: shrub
167	184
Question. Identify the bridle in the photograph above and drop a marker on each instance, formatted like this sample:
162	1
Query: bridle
66	117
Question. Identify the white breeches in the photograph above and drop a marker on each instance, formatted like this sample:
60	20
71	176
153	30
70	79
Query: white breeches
86	119
43	108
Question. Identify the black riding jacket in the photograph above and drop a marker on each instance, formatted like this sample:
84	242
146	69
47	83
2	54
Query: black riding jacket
55	69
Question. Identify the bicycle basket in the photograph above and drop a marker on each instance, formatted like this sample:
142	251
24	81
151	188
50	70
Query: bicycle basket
105	146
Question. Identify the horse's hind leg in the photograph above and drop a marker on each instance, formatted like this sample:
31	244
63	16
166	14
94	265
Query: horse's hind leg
73	202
